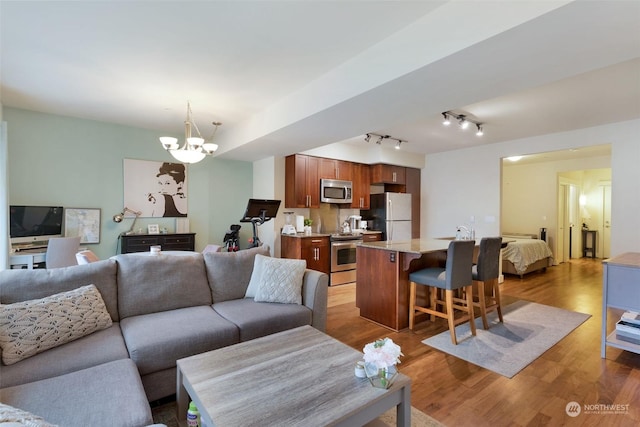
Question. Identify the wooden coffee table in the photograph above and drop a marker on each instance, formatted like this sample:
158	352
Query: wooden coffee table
299	377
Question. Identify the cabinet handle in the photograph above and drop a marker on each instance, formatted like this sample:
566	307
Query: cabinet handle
394	177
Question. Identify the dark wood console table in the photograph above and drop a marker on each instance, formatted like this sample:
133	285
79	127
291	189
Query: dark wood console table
168	242
586	248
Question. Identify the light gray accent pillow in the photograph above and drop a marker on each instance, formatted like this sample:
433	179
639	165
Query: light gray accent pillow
256	276
281	280
31	327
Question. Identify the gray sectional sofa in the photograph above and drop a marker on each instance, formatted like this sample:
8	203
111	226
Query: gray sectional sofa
163	308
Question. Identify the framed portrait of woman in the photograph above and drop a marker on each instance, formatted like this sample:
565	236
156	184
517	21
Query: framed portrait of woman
156	189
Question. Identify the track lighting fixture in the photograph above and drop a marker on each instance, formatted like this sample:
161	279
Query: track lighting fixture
381	138
463	121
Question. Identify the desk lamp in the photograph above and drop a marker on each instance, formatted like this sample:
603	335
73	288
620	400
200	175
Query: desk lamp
119	217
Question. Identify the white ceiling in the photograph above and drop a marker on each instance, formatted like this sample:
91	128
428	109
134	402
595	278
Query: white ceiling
289	76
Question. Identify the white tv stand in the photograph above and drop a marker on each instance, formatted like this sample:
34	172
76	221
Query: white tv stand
28	257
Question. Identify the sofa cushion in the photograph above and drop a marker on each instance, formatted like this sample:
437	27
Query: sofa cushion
100	347
229	272
281	280
106	395
31	327
257	319
149	284
10	416
156	340
22	285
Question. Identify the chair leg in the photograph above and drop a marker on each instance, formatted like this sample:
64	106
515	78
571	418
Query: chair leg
412	304
451	315
483	304
432	301
472	320
496	295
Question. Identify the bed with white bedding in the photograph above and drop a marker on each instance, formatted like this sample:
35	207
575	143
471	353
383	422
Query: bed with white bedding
524	254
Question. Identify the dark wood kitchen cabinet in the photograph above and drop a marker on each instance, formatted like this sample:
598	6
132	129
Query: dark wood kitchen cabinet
167	242
361	186
388	174
315	250
335	169
302	182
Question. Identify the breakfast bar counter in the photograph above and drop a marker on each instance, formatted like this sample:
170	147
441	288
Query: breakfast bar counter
382	279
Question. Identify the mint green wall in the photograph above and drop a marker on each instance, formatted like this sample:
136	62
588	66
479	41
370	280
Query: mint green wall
64	161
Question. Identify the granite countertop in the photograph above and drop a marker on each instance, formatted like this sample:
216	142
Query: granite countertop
415	246
301	235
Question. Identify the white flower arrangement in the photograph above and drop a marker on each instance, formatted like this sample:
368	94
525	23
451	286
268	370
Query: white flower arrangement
382	353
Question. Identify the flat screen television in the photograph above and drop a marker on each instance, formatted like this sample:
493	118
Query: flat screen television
30	224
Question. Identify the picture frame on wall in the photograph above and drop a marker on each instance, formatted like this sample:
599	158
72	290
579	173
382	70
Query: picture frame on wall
83	222
155	189
153	229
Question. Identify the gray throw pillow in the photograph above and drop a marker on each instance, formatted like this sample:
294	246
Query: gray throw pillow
281	280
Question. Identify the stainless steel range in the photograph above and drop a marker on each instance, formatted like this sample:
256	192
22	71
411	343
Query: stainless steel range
343	257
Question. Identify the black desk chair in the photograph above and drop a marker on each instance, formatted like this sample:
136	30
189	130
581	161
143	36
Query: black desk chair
486	291
456	275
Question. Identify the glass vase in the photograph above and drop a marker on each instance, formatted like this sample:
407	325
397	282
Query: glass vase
381	377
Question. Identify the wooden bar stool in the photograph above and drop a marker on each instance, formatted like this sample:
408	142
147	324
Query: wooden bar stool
456	275
486	291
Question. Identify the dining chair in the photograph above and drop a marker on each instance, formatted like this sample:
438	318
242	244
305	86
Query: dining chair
456	275
61	252
86	257
486	290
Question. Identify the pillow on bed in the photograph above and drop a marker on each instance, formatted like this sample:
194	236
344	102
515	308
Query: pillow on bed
31	327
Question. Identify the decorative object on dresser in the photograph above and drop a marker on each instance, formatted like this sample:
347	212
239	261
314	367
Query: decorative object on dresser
120	217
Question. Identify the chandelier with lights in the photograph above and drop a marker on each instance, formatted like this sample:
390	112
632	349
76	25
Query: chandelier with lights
195	148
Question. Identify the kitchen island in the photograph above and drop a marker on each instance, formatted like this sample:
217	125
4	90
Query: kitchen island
382	279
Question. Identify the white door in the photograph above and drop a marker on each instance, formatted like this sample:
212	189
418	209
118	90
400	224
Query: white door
606	221
562	248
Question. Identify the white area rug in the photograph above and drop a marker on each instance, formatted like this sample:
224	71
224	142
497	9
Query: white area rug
529	329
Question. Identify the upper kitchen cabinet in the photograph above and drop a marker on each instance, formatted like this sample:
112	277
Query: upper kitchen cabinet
361	186
388	174
302	182
335	169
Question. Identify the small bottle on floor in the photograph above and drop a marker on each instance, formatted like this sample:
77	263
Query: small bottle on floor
193	416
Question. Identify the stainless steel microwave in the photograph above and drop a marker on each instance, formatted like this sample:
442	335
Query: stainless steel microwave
335	191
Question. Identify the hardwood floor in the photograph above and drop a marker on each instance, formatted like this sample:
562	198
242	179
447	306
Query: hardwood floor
458	393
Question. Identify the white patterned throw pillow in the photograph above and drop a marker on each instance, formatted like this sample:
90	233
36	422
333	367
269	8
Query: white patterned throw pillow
281	280
10	416
31	327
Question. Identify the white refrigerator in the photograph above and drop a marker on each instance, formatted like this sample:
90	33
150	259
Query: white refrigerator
391	213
